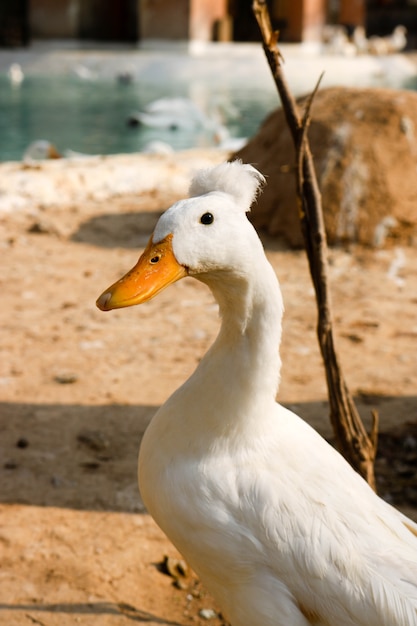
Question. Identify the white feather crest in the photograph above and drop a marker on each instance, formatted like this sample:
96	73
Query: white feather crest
239	180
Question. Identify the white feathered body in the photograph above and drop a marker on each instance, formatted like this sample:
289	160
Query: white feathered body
276	550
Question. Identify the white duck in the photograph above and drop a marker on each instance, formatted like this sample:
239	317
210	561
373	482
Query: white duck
280	529
40	150
170	113
15	74
390	44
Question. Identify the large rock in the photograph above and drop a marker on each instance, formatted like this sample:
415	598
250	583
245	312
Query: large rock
365	152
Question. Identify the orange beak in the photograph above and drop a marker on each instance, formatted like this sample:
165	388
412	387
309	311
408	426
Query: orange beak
156	269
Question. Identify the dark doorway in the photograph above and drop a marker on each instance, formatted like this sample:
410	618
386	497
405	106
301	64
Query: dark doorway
14	28
109	20
245	27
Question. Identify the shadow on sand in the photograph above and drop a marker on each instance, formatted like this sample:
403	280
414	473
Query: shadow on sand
85	457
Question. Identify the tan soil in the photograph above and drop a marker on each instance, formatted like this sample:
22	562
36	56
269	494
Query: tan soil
79	386
364	143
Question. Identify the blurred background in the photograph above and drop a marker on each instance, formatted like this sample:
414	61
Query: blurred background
86	77
201	20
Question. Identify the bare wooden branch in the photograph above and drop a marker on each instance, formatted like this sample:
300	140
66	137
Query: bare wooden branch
355	444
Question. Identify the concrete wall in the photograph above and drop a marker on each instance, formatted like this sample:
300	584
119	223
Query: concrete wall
164	19
314	18
198	20
86	19
352	12
205	17
180	20
54	18
305	19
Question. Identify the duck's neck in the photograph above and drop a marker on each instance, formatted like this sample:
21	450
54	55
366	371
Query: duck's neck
246	351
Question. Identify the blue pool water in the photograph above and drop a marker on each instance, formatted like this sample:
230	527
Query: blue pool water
91	116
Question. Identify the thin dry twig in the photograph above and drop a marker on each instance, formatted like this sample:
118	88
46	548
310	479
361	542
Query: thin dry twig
34	620
356	445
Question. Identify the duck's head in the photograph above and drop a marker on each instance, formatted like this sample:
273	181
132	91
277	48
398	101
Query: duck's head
202	235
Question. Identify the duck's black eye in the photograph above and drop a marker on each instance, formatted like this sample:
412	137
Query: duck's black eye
155	259
207	218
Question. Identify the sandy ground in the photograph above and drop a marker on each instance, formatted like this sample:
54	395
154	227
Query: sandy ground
78	386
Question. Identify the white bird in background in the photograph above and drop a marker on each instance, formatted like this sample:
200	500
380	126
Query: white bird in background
184	114
84	73
360	40
336	40
40	150
15	74
280	529
171	113
390	44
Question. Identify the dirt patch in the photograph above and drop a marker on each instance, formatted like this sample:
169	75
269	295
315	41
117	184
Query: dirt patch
79	387
364	144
